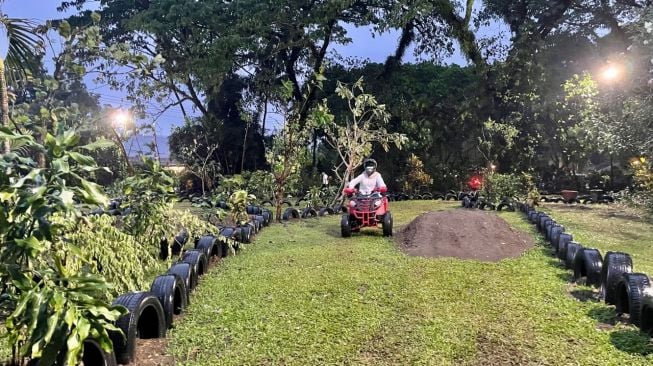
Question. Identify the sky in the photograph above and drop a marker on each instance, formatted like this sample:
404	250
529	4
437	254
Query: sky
375	49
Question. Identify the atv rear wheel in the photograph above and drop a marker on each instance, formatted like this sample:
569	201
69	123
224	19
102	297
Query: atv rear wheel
345	226
387	224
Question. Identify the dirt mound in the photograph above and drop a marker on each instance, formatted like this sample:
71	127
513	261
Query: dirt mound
466	234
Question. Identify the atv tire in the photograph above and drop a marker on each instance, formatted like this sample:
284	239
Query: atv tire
345	226
387	224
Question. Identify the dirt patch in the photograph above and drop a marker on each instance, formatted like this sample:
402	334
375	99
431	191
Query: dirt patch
152	352
466	234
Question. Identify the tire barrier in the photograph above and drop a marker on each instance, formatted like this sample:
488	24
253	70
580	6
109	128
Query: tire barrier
144	320
630	295
172	295
325	211
93	354
615	264
308	212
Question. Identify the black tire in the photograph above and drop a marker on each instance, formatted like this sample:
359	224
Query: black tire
197	260
299	201
308	212
253	210
588	263
531	216
286	202
450	197
345	226
630	295
387	224
289	213
507	206
267	215
563	244
207	244
545	220
180	240
222	204
172	295
466	202
267	203
646	318
554	236
325	211
261	220
186	274
93	354
243	234
570	254
547	229
144	320
615	264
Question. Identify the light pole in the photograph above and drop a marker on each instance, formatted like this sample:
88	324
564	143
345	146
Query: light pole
611	74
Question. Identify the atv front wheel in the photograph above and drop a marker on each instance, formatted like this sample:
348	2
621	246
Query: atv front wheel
387	224
345	226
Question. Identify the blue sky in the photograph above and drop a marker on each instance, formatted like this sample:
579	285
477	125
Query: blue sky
364	46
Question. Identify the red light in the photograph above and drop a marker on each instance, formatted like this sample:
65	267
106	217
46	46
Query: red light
475	183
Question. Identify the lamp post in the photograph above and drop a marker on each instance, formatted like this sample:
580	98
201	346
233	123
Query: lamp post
611	74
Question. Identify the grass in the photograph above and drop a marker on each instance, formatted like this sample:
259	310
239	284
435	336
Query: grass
302	295
608	228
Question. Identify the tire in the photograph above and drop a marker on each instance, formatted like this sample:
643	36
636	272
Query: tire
222	204
531	216
267	215
588	263
299	201
554	235
325	211
466	202
450	197
570	254
207	244
345	226
267	203
615	264
630	295
93	354
286	202
544	221
253	210
197	260
171	292
187	276
261	220
228	232
563	245
387	224
507	206
144	320
243	234
646	318
547	229
180	240
290	213
308	212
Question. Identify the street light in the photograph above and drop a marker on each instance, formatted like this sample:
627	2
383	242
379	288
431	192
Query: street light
611	73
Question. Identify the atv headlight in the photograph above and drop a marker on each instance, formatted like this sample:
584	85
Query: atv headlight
377	203
352	203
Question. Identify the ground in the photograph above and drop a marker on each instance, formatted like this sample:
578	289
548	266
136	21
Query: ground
303	295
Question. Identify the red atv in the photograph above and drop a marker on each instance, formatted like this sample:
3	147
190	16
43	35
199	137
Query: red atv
366	210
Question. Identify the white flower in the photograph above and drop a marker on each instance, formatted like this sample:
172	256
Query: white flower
648	26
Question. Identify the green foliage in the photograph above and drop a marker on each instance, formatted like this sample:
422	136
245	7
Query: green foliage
238	202
119	258
416	177
49	305
261	184
498	186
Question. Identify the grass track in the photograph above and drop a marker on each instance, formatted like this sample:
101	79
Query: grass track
301	295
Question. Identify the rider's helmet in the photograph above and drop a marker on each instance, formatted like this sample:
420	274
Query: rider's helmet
370	166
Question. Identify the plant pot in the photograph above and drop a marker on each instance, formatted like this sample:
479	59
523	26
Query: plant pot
569	196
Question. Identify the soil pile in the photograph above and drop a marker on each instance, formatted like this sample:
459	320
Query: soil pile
465	234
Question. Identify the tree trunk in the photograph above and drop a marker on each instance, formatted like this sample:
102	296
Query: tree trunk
130	169
314	149
279	200
4	104
242	158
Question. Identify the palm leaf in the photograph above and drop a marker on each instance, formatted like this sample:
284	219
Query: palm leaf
24	45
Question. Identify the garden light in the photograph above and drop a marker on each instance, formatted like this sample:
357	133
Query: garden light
611	73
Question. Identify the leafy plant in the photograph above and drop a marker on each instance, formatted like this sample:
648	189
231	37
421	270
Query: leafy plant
49	306
416	177
261	184
238	202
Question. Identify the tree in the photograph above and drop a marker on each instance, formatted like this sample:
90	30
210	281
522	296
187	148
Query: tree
24	46
365	125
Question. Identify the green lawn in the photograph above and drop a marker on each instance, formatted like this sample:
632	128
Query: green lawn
302	295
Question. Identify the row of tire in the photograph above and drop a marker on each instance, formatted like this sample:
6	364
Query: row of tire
631	293
151	313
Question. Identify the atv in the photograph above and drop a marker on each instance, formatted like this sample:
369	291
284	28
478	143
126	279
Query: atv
366	210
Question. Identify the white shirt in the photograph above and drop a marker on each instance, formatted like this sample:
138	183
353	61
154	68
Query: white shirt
367	184
325	179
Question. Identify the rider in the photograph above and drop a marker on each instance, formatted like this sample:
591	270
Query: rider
369	181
